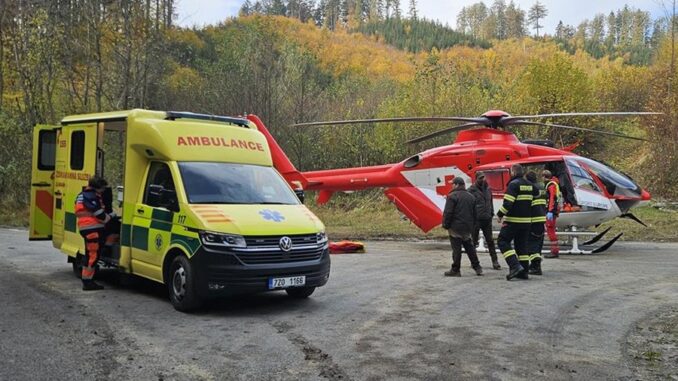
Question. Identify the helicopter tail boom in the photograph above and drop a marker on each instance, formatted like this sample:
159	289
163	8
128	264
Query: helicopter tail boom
280	160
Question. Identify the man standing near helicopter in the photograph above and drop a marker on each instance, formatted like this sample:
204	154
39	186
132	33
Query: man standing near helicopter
552	209
515	217
484	213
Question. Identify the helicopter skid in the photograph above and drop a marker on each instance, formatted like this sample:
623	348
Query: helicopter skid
572	246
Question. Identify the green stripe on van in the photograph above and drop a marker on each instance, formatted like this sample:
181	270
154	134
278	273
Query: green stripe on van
125	235
70	222
140	238
159	225
191	244
162	215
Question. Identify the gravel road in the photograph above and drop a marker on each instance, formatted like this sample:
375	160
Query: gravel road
388	314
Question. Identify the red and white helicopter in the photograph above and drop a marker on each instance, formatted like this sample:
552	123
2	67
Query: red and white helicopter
593	192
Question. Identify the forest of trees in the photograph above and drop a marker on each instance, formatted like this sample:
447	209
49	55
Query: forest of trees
290	61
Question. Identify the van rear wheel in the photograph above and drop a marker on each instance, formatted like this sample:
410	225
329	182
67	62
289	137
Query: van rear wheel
299	292
181	285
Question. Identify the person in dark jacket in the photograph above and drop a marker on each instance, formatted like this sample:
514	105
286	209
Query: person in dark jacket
459	218
484	213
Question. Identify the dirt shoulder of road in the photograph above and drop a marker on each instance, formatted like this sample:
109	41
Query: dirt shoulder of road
652	346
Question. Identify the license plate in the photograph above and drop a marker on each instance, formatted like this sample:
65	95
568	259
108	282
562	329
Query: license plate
292	281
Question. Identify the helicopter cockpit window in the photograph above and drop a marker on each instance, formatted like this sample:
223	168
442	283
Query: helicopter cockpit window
581	178
616	184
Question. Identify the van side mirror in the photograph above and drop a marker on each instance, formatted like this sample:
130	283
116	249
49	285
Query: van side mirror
300	194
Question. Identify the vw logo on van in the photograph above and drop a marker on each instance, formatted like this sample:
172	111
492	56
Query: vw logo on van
285	243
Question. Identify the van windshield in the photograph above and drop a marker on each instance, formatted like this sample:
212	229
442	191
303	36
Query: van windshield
227	183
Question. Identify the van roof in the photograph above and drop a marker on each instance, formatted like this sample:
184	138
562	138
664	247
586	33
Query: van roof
149	114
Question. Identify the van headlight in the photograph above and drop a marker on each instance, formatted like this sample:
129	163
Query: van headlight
223	240
321	238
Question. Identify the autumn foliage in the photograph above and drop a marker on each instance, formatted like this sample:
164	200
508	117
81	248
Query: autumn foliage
56	61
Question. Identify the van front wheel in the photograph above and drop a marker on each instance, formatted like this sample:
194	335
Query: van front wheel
300	292
182	286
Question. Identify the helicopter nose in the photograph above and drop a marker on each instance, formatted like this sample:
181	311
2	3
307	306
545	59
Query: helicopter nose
645	195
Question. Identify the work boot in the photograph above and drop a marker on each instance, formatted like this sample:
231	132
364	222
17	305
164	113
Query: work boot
523	275
514	272
454	273
479	271
535	268
496	265
90	285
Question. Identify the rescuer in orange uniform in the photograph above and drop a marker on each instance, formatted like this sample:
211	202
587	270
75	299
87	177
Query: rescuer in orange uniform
92	218
552	210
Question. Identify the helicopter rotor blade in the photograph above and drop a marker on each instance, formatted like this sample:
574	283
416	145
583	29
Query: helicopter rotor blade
444	131
394	120
512	119
577	128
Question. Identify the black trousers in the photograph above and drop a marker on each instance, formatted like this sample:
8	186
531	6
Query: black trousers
457	244
517	234
535	242
486	227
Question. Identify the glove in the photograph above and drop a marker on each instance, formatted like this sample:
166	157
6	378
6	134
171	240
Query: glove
549	216
113	215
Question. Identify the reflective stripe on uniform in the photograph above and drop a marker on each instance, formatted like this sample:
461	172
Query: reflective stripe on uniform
525	197
527	188
503	210
508	197
535	256
538	201
524	258
518	220
538	219
509	253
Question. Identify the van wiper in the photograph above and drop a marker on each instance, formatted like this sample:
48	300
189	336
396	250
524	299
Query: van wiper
273	203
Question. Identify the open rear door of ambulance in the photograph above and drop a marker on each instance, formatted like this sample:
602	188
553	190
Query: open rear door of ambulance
42	182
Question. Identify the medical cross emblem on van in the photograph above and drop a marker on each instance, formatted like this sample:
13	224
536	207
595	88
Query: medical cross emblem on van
272	215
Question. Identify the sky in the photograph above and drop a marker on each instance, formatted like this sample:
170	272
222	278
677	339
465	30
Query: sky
572	12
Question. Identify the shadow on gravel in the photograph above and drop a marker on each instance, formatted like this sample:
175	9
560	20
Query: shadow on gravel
229	306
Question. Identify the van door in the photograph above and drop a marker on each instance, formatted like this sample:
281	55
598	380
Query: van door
152	223
42	182
76	162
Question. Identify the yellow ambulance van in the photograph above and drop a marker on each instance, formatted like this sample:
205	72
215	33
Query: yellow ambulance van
202	208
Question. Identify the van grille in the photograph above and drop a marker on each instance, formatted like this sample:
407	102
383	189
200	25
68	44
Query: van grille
266	250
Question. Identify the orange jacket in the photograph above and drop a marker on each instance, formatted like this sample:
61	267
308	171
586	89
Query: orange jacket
89	209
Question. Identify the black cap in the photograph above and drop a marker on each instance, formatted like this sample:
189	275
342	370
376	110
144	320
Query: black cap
458	181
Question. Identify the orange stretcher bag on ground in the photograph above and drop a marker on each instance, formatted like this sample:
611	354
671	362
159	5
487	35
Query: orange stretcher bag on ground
345	247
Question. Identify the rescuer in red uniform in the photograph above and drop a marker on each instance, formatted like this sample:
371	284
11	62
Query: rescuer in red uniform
92	218
552	210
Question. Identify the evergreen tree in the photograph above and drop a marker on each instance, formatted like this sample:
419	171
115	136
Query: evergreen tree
498	11
537	13
246	8
515	21
397	13
413	9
